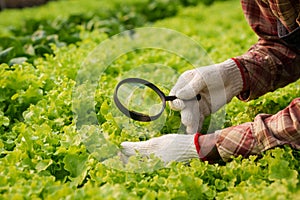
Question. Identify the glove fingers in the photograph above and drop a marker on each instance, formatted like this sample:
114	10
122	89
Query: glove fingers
177	104
144	148
193	85
128	148
157	146
190	116
182	81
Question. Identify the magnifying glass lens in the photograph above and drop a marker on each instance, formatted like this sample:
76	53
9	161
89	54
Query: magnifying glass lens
139	98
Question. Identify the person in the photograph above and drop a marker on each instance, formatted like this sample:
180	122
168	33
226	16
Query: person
271	63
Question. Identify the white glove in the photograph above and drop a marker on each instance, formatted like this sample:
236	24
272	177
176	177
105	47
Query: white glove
171	147
217	84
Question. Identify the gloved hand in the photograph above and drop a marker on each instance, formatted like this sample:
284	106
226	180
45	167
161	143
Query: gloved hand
217	84
175	147
171	147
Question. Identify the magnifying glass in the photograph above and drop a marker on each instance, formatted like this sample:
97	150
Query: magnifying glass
141	100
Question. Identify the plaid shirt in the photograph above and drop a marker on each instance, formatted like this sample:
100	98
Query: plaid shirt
274	61
271	63
265	132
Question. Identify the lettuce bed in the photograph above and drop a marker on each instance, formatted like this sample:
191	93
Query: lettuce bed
44	156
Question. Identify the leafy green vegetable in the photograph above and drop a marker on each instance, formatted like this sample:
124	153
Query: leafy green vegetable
45	155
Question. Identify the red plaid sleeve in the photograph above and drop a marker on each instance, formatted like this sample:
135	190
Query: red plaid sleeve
287	11
265	132
270	63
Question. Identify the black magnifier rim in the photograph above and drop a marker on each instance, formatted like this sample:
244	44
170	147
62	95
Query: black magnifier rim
136	115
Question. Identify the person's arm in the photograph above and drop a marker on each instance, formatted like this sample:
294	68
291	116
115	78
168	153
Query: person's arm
268	65
265	132
271	63
251	138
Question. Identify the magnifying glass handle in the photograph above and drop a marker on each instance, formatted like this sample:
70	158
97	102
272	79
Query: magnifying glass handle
172	98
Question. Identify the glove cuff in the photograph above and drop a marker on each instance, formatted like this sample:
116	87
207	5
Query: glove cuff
233	80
